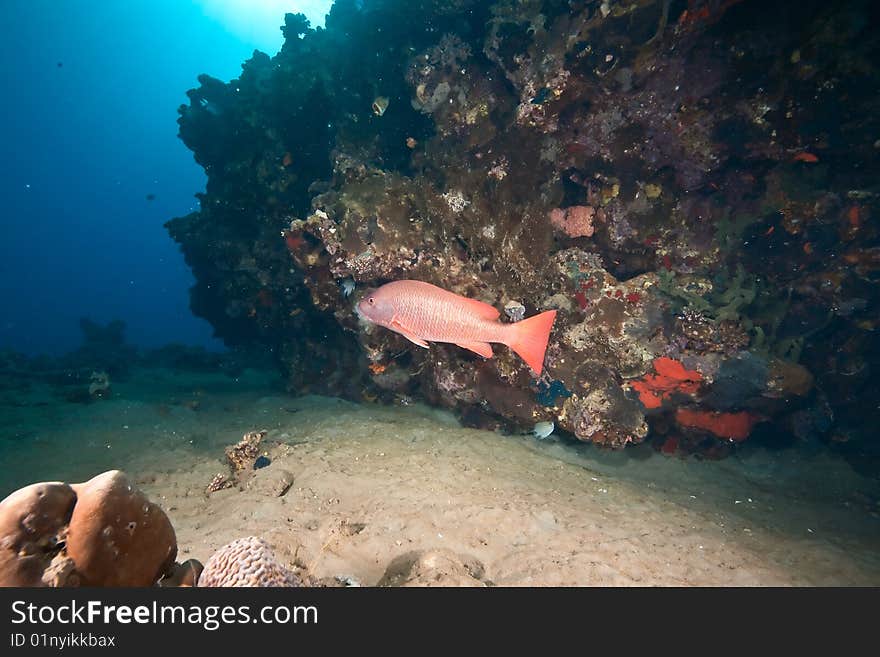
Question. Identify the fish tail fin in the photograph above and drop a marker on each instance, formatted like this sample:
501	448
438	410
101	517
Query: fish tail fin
529	339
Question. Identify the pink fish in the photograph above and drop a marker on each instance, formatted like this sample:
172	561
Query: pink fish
424	313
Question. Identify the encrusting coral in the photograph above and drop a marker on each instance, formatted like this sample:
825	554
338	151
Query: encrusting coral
576	221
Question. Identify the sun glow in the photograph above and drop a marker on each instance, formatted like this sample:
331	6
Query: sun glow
258	22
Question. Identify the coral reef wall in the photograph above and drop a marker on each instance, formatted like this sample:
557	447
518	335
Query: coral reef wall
693	185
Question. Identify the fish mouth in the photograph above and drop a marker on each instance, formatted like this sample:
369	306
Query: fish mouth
362	317
358	306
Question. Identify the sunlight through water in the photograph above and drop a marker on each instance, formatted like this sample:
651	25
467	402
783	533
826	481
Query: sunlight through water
257	21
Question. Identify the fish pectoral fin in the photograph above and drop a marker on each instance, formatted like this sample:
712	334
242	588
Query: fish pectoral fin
409	336
415	340
482	348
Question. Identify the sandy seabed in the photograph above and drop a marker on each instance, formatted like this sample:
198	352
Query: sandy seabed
375	487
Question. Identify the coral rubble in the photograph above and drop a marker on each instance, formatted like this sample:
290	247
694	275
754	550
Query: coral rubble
244	453
688	184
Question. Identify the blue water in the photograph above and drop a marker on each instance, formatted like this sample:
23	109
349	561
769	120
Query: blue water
88	128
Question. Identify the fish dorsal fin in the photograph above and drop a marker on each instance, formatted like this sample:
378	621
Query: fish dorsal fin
484	310
479	308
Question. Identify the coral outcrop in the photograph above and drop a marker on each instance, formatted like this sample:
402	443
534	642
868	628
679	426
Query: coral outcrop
33	524
102	532
246	562
243	458
243	455
688	184
116	536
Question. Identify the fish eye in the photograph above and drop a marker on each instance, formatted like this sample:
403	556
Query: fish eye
371	301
